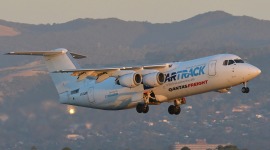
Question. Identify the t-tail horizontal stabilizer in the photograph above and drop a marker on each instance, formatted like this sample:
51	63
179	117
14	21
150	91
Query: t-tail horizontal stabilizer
47	53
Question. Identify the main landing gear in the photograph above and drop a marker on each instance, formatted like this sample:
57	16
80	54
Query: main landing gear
245	89
142	108
176	109
149	99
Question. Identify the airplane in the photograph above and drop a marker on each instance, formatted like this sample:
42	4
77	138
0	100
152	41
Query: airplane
140	86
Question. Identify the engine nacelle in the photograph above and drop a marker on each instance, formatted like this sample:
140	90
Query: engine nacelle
153	79
130	80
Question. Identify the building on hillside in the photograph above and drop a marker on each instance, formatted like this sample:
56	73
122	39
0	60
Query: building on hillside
200	144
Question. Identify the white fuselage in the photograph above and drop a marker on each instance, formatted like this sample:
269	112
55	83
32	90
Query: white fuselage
182	79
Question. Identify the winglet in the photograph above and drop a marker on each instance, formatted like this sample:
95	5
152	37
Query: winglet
10	53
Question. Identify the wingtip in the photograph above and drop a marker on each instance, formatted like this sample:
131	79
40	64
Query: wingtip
9	53
79	57
57	71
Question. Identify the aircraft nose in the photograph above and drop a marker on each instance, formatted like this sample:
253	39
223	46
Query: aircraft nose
254	71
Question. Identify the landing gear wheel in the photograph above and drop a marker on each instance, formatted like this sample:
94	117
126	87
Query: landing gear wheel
174	110
171	109
177	110
245	90
145	109
142	108
139	108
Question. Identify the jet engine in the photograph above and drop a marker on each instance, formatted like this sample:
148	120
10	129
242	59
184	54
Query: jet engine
130	80
153	79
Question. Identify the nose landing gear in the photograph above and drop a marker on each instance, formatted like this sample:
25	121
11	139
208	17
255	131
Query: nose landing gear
245	89
176	109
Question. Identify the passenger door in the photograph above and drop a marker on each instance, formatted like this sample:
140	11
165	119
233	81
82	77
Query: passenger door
212	68
91	95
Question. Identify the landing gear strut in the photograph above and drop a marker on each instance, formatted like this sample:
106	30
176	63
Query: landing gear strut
176	109
245	89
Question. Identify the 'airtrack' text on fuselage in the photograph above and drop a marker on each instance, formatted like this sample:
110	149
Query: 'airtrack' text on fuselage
183	74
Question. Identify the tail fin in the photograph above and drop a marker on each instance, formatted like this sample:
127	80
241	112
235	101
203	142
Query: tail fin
58	59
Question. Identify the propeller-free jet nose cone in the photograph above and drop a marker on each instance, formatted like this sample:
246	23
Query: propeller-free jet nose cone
254	71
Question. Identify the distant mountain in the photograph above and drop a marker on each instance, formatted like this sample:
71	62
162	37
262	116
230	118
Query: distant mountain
31	116
142	42
7	31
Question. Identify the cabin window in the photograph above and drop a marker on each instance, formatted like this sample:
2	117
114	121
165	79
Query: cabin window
225	62
74	91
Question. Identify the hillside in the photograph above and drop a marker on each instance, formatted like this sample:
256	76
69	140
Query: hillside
143	42
7	31
31	115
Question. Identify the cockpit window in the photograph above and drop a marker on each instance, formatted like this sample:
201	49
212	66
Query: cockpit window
239	61
231	62
225	63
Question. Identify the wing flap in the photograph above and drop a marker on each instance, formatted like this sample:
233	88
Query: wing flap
156	67
99	74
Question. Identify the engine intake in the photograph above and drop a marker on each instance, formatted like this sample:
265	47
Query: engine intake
153	79
130	80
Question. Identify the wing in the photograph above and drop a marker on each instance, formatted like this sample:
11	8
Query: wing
104	73
98	74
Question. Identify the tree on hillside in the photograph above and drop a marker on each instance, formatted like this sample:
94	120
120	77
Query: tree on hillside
227	147
185	148
66	148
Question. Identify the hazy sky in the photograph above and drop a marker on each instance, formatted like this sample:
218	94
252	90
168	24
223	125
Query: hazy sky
156	11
